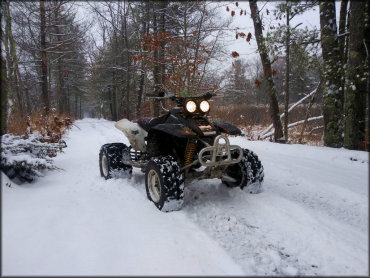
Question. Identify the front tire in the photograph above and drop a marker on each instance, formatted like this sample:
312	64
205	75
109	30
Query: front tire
110	160
248	173
164	183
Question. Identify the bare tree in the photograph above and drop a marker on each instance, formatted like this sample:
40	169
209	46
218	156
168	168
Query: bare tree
274	107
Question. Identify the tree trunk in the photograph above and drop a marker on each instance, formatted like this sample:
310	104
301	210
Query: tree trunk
355	90
44	70
76	106
60	94
162	30
274	107
111	105
156	66
332	99
60	85
14	76
128	68
114	97
287	47
342	43
142	73
4	98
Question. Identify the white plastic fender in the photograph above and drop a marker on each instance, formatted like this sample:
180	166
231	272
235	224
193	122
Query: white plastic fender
134	133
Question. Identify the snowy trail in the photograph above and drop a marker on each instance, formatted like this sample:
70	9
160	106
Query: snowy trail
311	218
76	223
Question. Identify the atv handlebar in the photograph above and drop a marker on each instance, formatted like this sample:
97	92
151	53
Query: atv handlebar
205	96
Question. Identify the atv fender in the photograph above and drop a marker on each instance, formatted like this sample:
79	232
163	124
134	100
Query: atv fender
227	128
134	133
177	130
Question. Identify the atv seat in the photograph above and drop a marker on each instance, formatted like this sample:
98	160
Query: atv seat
149	122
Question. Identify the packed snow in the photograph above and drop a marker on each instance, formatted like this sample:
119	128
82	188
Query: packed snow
310	219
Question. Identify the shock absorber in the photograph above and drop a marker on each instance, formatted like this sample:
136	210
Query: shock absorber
189	152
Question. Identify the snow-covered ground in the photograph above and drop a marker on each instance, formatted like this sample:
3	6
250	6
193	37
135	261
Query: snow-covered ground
311	218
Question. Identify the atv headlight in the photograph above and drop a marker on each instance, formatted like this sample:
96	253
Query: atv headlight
204	106
191	106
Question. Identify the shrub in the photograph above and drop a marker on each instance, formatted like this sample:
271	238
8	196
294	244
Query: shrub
31	144
24	157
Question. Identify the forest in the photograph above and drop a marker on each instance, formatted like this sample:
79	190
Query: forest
71	60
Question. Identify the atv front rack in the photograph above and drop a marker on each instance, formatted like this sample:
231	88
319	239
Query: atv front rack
219	154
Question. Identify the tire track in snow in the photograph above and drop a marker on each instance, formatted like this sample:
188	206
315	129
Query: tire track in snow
286	230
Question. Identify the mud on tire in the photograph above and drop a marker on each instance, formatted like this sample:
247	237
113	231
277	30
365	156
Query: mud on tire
110	160
248	172
164	183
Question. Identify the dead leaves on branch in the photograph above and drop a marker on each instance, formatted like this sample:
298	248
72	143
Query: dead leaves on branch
257	83
49	127
233	12
249	37
180	57
234	54
243	35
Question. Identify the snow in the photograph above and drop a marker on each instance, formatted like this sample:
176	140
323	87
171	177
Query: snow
310	219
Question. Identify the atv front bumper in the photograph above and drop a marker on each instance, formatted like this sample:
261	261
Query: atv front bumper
220	153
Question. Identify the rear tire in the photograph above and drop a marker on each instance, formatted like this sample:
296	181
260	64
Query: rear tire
110	161
164	183
248	173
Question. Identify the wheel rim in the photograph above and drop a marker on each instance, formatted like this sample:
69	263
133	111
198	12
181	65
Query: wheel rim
154	186
104	165
235	171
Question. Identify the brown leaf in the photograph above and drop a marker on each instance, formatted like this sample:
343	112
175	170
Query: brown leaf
237	4
267	11
241	12
232	13
234	54
249	37
257	83
227	8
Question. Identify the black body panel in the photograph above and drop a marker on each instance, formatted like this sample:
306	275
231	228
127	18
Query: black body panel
177	130
227	128
148	123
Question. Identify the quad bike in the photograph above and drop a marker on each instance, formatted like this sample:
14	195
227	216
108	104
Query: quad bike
181	145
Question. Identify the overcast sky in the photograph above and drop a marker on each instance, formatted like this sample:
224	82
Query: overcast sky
246	50
310	19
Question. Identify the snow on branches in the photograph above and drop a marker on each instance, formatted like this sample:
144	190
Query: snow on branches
24	157
31	144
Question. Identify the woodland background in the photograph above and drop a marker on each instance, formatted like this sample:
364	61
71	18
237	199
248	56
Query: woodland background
304	86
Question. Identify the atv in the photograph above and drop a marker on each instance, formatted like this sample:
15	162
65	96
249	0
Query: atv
181	145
